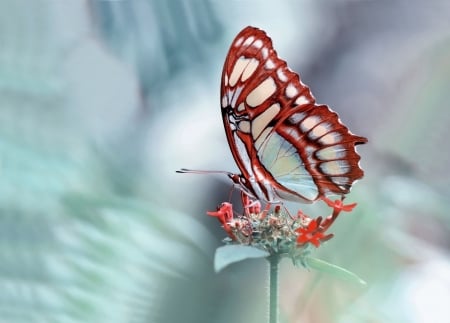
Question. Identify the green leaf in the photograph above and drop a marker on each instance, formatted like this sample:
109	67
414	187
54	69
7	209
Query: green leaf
229	254
333	270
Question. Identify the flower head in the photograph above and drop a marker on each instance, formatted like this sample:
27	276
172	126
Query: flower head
312	233
224	214
277	231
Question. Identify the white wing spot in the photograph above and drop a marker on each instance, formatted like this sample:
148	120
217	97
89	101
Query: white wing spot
291	91
250	69
239	42
281	76
295	135
263	119
244	126
332	152
236	96
269	64
241	107
301	100
297	117
258	44
225	79
265	52
330	138
340	181
230	96
262	92
319	130
224	101
309	123
335	167
239	67
249	40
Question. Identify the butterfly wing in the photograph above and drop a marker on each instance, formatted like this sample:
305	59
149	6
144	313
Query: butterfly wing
286	146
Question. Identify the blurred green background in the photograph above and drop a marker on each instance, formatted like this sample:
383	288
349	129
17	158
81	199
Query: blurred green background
100	103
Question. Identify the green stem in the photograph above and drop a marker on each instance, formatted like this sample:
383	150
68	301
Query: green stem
274	260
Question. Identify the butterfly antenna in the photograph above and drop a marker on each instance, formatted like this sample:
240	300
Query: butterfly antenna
196	171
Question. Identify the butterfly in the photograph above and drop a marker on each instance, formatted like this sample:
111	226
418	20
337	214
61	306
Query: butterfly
287	146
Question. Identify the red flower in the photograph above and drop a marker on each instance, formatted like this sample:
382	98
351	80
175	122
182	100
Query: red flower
313	230
312	233
338	205
224	214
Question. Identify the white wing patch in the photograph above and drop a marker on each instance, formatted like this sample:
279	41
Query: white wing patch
238	68
320	130
248	41
236	96
265	52
244	126
269	64
262	92
335	167
340	180
297	117
330	138
281	76
331	152
239	42
250	69
224	101
263	119
301	100
257	44
291	91
309	123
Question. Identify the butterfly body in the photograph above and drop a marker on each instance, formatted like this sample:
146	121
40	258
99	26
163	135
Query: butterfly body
286	146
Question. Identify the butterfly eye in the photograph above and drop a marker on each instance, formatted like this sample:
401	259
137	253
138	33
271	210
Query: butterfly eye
235	178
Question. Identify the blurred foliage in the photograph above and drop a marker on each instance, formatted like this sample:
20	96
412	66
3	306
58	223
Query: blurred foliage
76	245
159	39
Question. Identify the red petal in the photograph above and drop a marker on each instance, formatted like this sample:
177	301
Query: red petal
312	225
316	243
224	213
338	205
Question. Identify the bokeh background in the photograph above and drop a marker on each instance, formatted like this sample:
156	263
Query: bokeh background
100	103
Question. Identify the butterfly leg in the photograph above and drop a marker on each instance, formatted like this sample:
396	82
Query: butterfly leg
265	211
250	206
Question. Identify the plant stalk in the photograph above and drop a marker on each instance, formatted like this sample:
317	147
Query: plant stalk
274	261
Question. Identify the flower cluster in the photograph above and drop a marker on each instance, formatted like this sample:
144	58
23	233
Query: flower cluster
277	231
